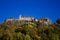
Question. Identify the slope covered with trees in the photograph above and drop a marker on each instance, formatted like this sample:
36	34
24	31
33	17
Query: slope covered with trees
29	31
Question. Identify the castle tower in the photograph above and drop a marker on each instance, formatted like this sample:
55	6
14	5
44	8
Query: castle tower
20	17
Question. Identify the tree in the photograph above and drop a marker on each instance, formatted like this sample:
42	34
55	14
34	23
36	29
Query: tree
27	37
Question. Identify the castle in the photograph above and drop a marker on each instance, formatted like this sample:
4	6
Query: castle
29	19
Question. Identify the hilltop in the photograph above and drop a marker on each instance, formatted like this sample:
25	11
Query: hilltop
29	29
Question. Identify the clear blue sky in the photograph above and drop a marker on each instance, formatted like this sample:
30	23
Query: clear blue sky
36	8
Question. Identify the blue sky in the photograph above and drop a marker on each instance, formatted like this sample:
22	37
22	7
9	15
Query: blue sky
35	8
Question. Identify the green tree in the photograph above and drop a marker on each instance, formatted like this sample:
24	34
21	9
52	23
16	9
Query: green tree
27	37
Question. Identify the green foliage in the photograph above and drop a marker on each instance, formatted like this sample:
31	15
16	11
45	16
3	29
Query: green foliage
27	37
29	31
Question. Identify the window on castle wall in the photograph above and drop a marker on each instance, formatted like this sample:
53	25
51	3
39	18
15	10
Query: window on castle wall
45	19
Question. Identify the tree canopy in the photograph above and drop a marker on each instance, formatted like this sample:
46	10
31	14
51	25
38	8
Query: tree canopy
29	31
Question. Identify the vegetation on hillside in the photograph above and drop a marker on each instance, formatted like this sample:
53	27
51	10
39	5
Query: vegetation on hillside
29	31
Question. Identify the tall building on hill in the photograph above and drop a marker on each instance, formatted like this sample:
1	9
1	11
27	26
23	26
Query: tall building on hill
45	21
23	19
10	19
26	18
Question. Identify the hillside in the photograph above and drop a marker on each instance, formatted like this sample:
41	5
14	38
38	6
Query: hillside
29	31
